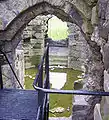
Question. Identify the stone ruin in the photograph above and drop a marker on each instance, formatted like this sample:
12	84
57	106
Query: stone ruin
92	18
74	46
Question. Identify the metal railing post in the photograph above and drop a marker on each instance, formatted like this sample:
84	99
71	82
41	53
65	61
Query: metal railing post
40	93
1	81
43	97
47	84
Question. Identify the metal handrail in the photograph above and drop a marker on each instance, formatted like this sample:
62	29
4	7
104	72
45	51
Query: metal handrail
77	92
39	68
55	91
44	90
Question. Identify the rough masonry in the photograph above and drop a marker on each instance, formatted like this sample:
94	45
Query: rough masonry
90	15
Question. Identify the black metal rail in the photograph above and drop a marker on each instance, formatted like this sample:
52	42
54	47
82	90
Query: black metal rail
75	92
44	89
1	81
43	97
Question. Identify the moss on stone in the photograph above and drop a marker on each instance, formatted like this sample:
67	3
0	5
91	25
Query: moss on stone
1	23
57	100
35	60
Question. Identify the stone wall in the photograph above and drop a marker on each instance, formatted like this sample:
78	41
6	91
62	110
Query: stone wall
105	100
16	60
75	47
33	41
58	52
19	65
8	77
87	14
78	48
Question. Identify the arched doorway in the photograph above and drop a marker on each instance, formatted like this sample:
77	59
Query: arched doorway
14	29
64	73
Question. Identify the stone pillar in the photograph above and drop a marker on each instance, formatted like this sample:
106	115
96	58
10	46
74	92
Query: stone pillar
105	100
94	80
16	59
78	47
95	75
97	112
19	65
9	80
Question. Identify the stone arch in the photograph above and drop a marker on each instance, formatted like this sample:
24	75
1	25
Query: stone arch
13	31
70	12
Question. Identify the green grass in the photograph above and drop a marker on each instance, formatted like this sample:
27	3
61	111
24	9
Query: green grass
106	117
29	81
57	100
57	29
65	101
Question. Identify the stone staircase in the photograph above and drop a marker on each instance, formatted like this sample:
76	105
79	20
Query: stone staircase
58	57
58	60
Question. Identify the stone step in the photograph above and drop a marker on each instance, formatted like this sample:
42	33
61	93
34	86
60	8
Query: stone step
58	63
58	60
63	61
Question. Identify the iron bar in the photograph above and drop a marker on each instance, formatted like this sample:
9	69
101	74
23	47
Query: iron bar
44	107
38	113
47	83
42	96
1	81
41	93
77	92
36	79
47	107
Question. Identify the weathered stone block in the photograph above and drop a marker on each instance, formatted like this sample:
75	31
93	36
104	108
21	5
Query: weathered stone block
94	18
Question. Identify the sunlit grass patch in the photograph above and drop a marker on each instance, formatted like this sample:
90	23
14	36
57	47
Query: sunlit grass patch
28	80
